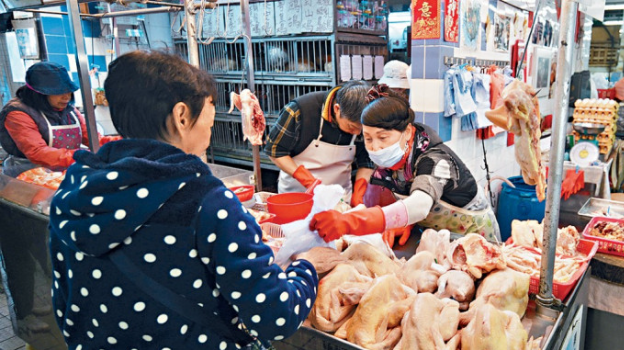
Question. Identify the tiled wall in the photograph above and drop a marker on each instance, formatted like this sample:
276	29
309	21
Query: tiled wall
427	100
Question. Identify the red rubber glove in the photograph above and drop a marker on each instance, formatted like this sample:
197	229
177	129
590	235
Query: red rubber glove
332	224
359	188
304	176
107	139
389	235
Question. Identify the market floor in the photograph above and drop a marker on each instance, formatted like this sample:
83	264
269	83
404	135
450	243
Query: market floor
8	340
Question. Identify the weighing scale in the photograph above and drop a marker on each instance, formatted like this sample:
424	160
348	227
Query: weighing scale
586	150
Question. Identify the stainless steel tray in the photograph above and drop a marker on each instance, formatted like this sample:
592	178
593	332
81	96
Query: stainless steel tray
602	207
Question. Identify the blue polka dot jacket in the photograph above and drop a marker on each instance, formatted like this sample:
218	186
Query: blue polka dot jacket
183	228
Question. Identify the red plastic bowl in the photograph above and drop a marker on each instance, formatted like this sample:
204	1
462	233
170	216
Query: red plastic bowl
244	193
289	207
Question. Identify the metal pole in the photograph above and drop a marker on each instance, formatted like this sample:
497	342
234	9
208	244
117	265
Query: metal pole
82	64
553	194
251	84
192	48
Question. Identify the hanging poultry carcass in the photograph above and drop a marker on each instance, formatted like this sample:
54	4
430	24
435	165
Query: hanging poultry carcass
518	112
251	114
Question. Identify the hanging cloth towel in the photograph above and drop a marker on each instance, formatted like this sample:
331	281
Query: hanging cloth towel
449	93
463	83
482	99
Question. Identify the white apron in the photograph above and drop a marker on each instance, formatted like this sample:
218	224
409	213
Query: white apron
329	163
59	136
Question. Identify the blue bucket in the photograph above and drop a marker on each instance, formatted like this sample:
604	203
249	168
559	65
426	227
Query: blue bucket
517	203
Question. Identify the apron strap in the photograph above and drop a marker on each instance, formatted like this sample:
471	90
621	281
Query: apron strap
50	137
318	139
77	123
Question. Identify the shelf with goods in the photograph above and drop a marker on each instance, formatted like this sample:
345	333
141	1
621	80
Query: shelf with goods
291	57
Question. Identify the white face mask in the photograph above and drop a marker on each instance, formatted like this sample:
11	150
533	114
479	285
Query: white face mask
389	156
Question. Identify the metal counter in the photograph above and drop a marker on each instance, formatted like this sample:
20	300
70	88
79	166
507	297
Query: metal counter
26	266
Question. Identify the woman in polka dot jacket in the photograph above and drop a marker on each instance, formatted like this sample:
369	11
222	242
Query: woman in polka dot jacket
151	196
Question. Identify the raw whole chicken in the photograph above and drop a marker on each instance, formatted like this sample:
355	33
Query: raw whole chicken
527	233
430	324
338	295
494	329
375	323
504	289
458	285
421	273
369	260
436	242
475	255
251	114
518	112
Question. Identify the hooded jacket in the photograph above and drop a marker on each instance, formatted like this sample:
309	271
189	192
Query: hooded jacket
183	228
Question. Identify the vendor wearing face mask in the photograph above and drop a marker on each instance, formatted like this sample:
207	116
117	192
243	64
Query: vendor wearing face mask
41	126
432	186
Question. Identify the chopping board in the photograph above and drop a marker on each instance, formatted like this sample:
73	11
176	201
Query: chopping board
609	268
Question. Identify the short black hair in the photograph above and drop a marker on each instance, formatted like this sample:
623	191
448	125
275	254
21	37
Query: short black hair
391	112
142	88
351	97
38	101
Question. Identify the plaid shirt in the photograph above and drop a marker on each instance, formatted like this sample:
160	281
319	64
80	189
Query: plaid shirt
287	138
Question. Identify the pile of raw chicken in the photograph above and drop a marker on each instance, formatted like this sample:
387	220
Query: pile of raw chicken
449	295
524	252
430	301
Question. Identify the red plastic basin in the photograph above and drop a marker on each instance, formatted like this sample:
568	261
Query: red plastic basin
244	192
289	207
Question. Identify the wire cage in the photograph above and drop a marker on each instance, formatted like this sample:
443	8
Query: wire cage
306	58
227	133
273	96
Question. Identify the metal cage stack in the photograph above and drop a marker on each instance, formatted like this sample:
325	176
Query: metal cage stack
285	67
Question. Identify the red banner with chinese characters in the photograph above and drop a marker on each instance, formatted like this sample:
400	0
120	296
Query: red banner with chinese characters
426	19
451	21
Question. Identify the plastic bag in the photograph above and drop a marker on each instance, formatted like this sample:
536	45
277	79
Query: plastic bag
298	237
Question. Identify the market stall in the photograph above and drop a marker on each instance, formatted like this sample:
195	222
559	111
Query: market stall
557	319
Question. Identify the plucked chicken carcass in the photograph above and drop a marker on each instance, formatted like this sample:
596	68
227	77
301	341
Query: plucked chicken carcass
338	295
529	233
421	272
369	260
436	242
252	116
430	324
504	289
475	255
494	329
518	112
375	323
457	285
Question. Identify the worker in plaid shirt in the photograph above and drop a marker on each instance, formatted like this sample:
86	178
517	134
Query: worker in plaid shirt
316	137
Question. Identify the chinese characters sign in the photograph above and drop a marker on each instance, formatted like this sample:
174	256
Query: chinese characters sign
451	21
426	17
